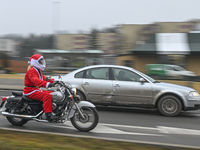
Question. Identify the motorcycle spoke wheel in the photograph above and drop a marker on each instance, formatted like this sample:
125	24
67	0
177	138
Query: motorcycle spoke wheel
89	121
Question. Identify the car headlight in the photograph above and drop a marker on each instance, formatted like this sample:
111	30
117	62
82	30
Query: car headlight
194	94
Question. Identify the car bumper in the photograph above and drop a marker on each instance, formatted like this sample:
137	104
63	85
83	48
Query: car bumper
192	104
196	107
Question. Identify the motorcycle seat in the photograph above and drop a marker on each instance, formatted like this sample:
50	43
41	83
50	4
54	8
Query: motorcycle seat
26	99
16	93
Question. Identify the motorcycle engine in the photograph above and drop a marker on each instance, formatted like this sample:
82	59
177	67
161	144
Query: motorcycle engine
57	96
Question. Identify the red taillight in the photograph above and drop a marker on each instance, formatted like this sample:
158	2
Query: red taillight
4	98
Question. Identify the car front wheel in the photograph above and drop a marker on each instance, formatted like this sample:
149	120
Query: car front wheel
169	106
80	95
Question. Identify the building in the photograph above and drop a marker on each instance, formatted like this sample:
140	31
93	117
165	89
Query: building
107	42
71	41
65	59
166	48
8	46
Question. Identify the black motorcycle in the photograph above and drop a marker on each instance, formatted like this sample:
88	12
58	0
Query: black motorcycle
19	109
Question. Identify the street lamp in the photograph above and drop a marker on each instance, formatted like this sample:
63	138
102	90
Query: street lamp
55	17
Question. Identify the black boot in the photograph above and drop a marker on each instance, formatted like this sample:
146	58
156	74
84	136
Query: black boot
50	117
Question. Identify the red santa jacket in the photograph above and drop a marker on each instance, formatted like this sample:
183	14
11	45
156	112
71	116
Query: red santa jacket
34	79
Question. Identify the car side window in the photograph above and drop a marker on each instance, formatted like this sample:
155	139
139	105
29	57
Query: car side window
79	74
168	68
98	73
125	75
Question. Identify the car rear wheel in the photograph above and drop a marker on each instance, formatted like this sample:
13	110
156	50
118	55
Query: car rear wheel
169	106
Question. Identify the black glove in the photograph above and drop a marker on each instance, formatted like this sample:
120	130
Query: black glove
48	78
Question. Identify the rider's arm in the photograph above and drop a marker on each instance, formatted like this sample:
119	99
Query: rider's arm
35	79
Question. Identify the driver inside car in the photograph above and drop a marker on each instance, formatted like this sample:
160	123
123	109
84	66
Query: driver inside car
122	76
34	80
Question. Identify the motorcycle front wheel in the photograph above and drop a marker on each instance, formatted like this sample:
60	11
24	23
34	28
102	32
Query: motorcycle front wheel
89	122
17	121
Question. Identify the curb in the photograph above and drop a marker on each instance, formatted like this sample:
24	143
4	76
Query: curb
12	87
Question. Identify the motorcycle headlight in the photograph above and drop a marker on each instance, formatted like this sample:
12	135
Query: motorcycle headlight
194	94
74	91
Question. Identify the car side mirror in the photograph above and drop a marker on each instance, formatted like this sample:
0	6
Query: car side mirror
142	80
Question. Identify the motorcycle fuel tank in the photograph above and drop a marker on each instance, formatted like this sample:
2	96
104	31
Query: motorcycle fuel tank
58	96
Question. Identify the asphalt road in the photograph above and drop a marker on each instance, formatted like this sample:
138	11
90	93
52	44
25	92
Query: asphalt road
133	125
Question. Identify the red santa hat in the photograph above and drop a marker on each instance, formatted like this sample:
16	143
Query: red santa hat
35	57
34	60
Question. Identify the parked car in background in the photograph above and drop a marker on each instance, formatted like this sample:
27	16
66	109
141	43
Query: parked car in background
168	71
124	86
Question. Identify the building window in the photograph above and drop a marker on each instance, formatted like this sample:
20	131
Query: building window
128	63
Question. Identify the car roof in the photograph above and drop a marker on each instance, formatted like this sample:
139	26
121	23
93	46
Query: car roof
96	66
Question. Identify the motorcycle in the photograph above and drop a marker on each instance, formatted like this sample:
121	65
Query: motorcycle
18	109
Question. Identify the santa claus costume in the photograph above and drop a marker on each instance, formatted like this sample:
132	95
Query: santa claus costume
34	80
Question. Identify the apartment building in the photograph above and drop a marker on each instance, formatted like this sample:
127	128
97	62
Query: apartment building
132	34
144	46
71	41
107	42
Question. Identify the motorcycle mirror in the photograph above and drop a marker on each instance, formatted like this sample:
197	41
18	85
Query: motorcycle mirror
59	77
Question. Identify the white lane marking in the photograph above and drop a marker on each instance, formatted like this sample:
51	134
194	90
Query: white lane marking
126	126
162	129
103	129
173	130
107	130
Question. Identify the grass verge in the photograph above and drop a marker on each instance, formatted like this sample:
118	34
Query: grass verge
12	140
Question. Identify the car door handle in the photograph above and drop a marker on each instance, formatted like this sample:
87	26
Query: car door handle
86	83
116	85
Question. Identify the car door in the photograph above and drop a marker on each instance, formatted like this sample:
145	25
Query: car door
171	72
129	90
97	85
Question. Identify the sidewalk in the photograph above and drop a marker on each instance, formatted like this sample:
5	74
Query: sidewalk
12	87
11	82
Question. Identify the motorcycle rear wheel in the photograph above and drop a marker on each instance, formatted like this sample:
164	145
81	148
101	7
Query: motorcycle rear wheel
90	114
17	121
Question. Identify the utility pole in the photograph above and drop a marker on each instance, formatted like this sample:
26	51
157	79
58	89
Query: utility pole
55	20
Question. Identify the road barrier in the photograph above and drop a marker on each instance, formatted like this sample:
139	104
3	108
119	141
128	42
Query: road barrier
193	84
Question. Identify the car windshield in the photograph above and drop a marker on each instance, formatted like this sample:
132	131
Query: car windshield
147	77
178	68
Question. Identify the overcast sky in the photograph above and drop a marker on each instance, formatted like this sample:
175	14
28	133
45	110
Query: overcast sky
37	16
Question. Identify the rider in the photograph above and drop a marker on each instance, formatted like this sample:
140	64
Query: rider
34	79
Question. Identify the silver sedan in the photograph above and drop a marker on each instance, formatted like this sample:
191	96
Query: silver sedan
124	86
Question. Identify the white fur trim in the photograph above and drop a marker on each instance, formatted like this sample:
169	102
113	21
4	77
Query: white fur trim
38	74
31	92
47	84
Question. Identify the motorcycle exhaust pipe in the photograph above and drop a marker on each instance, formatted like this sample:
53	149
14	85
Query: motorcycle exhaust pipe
24	116
38	120
21	116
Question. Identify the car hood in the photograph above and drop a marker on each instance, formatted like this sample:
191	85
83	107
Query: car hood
164	85
188	73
